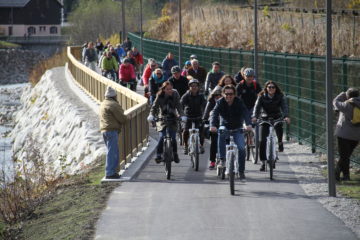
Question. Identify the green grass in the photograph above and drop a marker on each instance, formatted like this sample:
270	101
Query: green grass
72	211
4	44
348	188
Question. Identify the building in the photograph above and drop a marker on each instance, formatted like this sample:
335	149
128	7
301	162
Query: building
30	18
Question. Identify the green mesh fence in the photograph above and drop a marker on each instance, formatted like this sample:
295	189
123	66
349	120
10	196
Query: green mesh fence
301	77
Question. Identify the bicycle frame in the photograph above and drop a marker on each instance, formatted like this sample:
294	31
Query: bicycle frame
194	140
231	150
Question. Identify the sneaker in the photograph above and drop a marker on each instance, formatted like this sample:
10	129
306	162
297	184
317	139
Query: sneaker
262	168
114	176
221	163
212	165
242	175
281	147
202	150
186	150
158	159
176	158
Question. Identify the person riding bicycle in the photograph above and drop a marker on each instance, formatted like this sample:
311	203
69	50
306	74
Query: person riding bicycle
213	97
127	74
199	73
213	77
225	80
180	83
156	80
248	89
139	61
239	76
166	105
167	64
232	113
109	65
150	67
193	103
270	104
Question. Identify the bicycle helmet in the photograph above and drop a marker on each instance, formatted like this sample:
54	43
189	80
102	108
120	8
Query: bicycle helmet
249	72
175	69
193	56
194	81
187	63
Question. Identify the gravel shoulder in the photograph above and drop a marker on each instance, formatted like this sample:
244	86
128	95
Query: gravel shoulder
307	168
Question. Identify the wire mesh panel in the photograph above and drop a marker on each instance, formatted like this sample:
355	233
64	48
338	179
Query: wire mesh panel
301	78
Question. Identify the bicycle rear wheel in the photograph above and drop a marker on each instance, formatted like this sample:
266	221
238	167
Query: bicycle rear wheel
232	175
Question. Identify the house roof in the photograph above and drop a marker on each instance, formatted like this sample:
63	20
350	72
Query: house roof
17	3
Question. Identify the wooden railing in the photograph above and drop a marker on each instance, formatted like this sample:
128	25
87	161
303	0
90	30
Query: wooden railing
134	134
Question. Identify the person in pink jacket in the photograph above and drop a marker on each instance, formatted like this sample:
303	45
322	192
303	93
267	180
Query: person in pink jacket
150	67
127	75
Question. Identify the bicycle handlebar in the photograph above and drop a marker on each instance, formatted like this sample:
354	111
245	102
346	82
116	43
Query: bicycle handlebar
271	122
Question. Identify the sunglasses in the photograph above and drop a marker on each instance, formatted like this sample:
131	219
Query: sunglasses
273	87
158	74
229	94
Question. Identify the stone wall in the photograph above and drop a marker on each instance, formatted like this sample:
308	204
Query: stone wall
16	63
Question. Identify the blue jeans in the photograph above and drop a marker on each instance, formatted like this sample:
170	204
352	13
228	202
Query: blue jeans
111	139
162	134
240	143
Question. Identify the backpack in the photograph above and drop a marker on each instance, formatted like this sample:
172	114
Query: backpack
242	82
356	116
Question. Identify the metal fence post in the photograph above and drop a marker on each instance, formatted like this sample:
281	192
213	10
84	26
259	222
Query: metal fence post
299	105
312	93
230	62
344	73
286	74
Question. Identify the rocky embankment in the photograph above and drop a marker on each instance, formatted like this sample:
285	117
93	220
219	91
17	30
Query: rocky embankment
15	64
62	128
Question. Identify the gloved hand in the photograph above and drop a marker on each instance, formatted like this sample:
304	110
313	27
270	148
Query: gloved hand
183	118
151	118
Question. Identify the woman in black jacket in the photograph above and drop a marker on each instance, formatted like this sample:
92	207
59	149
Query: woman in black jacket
270	104
213	97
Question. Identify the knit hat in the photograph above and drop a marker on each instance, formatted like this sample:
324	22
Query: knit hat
110	92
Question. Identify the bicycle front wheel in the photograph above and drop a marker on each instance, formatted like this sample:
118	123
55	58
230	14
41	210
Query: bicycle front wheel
271	160
168	157
232	174
196	153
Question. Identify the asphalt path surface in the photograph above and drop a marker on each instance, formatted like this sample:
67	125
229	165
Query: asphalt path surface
198	205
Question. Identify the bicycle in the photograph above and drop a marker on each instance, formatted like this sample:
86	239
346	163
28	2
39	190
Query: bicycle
271	143
231	164
250	147
131	84
168	146
194	140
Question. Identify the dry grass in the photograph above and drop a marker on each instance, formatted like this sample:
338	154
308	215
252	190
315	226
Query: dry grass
232	27
37	71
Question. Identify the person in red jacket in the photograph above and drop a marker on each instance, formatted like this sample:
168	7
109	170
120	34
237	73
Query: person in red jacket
127	74
150	67
139	61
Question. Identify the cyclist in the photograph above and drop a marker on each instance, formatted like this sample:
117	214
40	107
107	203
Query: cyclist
127	74
213	97
166	105
120	52
139	61
232	113
213	77
198	73
225	80
167	64
150	67
239	76
109	65
156	80
186	68
193	103
248	89
270	104
99	47
90	56
180	83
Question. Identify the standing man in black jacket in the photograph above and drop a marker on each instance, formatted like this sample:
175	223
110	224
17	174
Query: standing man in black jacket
232	113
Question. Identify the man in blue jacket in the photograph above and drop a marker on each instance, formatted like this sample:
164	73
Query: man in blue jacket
167	64
232	113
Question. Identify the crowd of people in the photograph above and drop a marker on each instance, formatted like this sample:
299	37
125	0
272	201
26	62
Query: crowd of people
122	63
194	95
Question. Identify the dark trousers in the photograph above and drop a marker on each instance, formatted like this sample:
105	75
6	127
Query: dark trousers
162	135
264	133
213	146
346	147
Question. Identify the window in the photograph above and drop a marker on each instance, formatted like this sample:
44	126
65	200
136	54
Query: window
31	30
10	31
42	28
53	30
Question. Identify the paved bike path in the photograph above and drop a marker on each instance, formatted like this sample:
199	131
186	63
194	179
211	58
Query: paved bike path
198	205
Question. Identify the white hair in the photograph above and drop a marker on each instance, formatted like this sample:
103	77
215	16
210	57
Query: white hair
194	61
